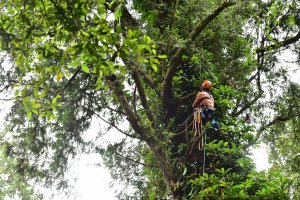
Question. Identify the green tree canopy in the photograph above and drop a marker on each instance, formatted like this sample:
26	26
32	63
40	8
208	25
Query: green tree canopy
141	63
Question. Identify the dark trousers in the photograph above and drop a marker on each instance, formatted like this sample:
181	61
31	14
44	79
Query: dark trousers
207	114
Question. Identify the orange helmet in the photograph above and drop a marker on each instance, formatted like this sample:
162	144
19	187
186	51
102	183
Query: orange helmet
206	85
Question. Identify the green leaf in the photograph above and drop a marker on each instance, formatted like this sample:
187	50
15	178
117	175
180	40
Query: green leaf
85	33
1	4
153	63
38	105
154	51
74	63
222	183
17	93
118	13
291	20
42	95
162	56
130	33
85	68
29	115
34	111
59	76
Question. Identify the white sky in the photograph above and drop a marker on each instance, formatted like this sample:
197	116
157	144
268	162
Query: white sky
93	181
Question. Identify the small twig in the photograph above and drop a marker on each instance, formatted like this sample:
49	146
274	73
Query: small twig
69	81
111	124
274	121
137	162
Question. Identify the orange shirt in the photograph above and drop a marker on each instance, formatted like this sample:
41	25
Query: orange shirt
203	98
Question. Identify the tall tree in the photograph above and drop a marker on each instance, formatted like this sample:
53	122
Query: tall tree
142	62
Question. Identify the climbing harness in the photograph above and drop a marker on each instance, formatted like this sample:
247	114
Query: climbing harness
198	127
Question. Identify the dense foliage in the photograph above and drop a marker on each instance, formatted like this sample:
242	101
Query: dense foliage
137	66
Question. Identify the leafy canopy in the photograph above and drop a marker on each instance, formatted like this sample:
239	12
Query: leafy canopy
142	62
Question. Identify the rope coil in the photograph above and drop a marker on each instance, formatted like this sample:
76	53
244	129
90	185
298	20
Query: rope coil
198	128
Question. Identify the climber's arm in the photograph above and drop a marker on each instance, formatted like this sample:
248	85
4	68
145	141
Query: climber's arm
197	100
196	103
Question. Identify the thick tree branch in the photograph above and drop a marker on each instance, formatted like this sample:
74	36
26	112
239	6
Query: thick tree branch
279	44
175	60
130	20
147	78
248	104
143	98
153	144
134	66
134	100
253	77
258	95
136	72
128	110
263	68
126	16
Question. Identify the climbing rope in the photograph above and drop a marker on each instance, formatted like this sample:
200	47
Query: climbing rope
185	130
198	128
201	133
203	163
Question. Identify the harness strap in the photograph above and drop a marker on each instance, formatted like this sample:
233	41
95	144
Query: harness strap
207	98
206	107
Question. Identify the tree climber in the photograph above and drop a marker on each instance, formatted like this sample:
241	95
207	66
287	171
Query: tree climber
205	101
